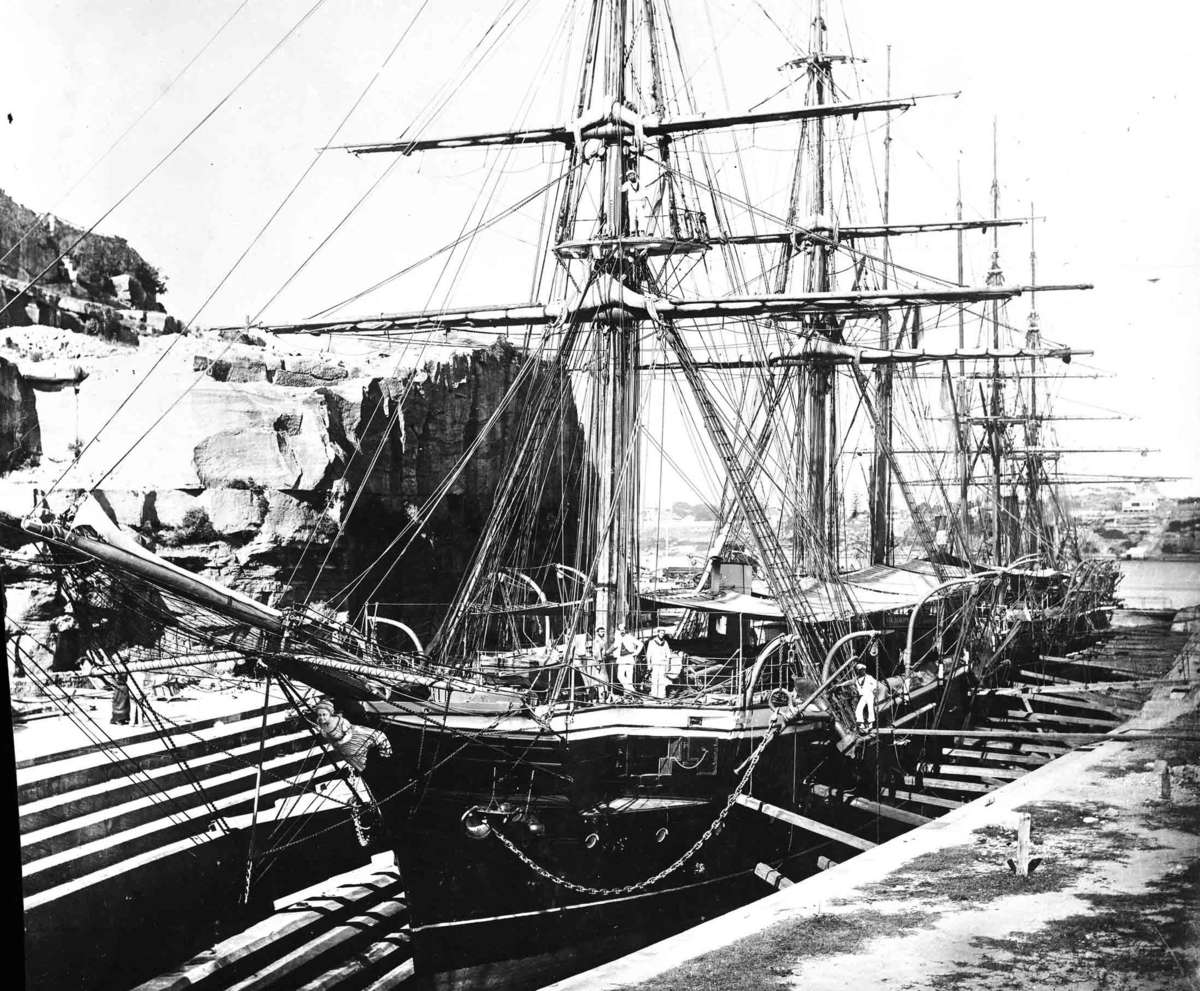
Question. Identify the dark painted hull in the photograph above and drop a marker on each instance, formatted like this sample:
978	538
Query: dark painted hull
601	799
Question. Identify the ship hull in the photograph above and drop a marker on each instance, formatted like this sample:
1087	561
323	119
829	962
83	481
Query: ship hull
620	798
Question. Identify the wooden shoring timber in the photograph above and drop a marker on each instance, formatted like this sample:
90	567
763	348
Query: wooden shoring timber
920	798
1109	700
1044	680
1118	688
1022	744
804	822
1037	704
947	784
1042	717
915	714
1070	738
1037	760
772	876
878	808
972	770
283	950
1074	662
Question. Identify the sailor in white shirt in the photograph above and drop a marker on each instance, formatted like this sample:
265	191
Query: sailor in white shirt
658	660
627	647
864	713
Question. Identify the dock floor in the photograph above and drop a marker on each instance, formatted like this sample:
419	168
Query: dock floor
1113	904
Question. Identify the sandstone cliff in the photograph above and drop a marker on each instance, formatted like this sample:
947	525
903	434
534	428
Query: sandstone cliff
20	435
101	268
101	286
286	474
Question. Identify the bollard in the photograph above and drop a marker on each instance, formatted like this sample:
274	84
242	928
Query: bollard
1023	865
825	863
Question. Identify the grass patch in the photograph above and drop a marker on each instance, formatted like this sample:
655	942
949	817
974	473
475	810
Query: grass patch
1145	937
768	960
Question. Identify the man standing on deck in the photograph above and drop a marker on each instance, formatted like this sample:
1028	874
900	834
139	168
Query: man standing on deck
658	660
627	648
595	665
864	713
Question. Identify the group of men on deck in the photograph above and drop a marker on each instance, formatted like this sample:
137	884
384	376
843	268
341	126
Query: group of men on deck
599	657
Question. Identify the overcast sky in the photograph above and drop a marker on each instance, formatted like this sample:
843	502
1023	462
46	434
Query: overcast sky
1096	106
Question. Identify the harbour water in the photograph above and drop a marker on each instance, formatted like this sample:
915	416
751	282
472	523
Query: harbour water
1158	584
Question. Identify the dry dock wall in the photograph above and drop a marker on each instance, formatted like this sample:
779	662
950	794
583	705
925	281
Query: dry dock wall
126	869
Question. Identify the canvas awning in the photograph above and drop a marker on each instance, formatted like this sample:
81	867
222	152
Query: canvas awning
878	588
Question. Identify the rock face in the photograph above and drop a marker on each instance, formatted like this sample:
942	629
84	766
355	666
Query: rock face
20	434
102	269
100	286
288	477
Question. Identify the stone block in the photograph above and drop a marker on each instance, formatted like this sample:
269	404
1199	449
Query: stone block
233	512
170	506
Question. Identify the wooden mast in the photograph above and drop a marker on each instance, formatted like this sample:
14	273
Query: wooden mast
616	362
1033	464
813	399
881	482
962	397
995	428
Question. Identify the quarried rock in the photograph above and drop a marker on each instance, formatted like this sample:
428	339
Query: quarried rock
288	450
20	434
234	512
309	373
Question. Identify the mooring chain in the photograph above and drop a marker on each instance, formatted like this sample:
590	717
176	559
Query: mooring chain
583	889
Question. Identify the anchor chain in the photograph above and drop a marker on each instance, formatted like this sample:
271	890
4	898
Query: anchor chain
359	829
628	889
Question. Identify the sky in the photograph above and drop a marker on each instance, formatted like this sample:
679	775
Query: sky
1094	106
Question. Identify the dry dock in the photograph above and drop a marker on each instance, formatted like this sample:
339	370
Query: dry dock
116	822
1113	900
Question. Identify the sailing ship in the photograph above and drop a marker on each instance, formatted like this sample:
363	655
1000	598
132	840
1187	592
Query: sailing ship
547	810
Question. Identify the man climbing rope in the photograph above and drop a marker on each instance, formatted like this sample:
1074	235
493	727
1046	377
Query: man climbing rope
864	712
354	744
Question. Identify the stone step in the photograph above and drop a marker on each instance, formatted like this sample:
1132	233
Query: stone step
153	734
157	804
190	826
120	759
60	808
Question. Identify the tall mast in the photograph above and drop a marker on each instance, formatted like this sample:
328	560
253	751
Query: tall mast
1033	463
616	365
814	382
995	278
881	481
962	395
